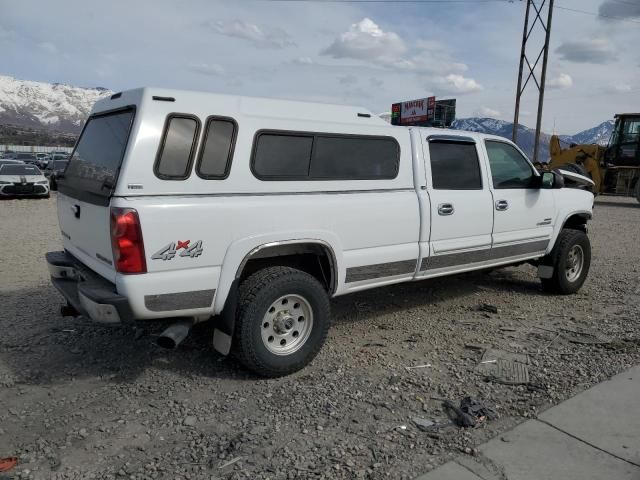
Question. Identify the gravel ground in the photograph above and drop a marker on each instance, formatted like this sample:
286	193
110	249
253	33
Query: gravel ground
81	401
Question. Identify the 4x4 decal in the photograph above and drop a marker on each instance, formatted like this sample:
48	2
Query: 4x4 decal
188	250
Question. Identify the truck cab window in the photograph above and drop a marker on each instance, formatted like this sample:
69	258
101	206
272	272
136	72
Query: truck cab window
177	147
509	168
454	166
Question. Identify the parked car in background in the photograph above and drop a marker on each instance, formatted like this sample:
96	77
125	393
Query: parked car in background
55	168
22	179
8	161
8	155
29	158
43	160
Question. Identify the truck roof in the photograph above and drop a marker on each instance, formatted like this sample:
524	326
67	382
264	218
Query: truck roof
247	106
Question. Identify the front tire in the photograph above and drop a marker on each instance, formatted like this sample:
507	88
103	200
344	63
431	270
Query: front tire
571	259
282	322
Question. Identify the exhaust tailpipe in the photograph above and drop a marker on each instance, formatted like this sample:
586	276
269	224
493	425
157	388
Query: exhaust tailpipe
175	334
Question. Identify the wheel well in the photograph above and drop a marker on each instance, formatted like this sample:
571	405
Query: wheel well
577	222
313	258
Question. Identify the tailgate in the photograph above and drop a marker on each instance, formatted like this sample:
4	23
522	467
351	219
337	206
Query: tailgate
86	234
87	184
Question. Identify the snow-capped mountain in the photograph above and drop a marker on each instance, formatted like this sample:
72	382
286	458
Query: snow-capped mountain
45	105
599	134
526	136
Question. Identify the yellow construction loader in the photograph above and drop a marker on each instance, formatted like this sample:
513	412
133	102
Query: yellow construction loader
614	169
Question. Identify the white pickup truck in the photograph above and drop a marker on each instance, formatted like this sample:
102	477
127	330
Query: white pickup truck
254	212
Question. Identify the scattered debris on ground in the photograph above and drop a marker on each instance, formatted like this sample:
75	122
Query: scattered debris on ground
8	463
504	367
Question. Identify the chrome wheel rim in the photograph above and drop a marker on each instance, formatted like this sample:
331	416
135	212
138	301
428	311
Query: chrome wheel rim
575	263
287	324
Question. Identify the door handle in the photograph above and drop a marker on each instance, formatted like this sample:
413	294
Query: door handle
445	209
502	205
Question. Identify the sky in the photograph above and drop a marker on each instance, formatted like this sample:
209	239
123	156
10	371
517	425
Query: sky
369	54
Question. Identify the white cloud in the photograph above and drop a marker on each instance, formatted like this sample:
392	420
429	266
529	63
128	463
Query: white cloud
207	68
619	88
617	8
456	84
348	80
487	112
5	33
49	48
588	50
303	61
262	38
366	41
562	81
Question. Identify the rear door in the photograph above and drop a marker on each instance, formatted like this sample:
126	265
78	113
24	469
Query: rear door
524	213
86	186
461	205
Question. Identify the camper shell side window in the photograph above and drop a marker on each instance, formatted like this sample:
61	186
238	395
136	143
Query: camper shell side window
177	147
287	155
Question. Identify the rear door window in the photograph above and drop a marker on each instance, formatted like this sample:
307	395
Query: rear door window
95	161
177	147
454	166
217	151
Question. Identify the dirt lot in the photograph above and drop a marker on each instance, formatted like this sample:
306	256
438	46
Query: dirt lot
80	401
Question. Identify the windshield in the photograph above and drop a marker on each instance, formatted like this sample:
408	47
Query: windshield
19	170
59	165
95	161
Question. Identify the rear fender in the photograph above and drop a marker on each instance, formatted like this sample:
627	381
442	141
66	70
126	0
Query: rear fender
239	253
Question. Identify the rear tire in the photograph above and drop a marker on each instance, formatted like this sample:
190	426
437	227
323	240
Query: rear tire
570	258
282	322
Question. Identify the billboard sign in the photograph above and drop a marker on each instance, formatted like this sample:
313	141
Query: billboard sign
414	111
424	112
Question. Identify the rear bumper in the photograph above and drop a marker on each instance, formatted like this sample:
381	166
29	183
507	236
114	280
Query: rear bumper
88	292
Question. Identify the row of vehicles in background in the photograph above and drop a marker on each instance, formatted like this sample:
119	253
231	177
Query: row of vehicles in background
30	174
40	159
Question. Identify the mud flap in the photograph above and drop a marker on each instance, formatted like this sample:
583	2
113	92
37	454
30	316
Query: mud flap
545	271
223	332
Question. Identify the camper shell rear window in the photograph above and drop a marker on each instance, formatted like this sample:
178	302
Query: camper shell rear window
93	168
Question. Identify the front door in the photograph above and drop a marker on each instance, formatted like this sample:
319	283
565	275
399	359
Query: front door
523	212
461	205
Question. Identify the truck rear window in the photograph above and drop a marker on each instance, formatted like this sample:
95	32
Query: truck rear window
96	158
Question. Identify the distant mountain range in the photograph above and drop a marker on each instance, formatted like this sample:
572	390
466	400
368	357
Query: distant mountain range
46	106
63	108
526	136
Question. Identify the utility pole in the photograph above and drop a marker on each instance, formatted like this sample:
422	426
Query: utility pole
538	7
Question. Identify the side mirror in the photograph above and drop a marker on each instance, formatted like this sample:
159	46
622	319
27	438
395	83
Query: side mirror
547	180
550	180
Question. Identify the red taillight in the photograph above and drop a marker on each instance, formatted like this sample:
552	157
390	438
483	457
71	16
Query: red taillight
126	241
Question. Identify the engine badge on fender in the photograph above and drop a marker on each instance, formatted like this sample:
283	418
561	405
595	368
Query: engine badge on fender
170	250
